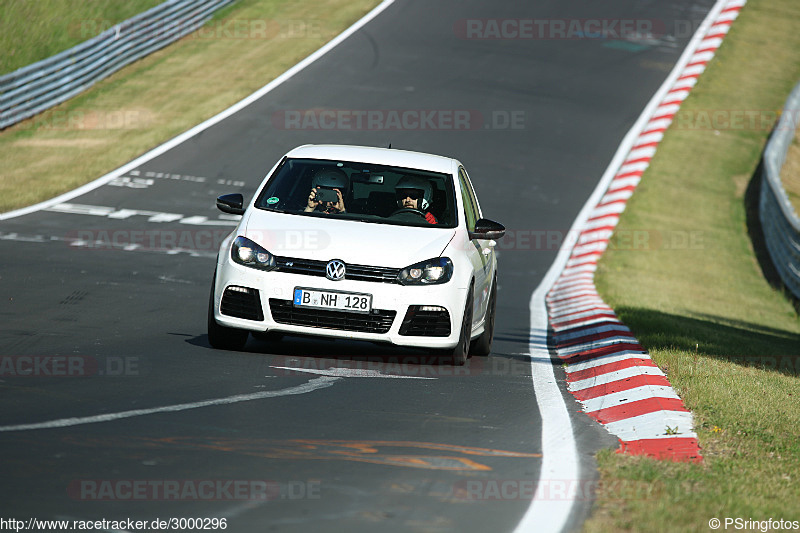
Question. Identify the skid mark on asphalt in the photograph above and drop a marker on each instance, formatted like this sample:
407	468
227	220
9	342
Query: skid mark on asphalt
388	453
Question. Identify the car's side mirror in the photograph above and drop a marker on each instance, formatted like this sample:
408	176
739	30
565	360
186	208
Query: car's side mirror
231	203
487	229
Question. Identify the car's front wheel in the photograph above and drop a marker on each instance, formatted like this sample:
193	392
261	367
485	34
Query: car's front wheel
458	355
483	344
221	337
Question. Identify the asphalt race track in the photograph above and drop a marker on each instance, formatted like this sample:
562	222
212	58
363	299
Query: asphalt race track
116	330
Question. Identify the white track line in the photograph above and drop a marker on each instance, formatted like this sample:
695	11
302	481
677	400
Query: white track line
310	386
559	452
349	373
183	137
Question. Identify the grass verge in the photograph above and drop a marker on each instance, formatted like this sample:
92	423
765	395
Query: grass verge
34	30
790	173
699	299
241	50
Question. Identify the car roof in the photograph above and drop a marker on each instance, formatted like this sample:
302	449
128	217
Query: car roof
378	156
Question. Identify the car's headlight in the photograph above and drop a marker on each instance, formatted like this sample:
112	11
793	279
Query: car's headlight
247	253
430	272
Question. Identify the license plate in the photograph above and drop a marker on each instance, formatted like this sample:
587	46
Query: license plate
335	300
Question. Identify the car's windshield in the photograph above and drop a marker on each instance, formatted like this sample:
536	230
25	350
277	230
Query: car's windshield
361	191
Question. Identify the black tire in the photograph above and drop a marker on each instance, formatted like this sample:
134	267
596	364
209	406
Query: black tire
483	345
459	354
221	337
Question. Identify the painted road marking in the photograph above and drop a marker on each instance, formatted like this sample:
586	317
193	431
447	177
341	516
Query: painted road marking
131	183
654	425
611	377
606	359
628	396
349	373
180	139
143	180
314	384
152	216
100	244
558	442
649	416
559	449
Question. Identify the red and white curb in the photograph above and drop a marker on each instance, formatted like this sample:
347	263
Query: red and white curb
608	371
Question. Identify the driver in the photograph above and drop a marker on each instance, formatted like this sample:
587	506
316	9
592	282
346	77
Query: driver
415	193
331	178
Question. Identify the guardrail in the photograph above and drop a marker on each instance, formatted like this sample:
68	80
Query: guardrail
778	218
32	89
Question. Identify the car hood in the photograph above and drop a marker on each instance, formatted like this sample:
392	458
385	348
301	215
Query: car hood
354	242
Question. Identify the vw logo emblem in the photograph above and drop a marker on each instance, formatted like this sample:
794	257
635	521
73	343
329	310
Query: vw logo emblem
335	270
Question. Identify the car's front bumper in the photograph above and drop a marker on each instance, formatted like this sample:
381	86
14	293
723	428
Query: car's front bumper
274	296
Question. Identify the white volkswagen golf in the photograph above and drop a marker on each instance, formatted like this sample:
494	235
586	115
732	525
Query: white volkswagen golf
353	242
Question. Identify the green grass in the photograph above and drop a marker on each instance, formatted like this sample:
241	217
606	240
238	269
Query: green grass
32	30
702	300
790	173
141	106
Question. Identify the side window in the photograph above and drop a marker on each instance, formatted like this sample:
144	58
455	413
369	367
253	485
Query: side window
470	205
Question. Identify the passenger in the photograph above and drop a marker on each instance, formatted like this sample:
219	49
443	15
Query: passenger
333	179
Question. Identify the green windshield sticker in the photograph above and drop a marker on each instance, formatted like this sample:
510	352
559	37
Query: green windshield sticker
273	200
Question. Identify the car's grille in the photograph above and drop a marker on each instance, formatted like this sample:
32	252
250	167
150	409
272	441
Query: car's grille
284	312
241	302
310	267
428	323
